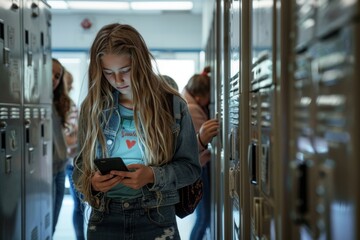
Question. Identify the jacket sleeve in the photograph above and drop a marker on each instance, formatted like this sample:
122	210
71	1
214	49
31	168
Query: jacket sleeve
184	169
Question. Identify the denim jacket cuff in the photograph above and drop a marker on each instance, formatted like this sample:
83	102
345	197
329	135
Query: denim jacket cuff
159	179
151	185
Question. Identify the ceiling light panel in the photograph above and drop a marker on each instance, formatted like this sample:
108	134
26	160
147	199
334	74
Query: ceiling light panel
124	5
173	5
98	5
58	4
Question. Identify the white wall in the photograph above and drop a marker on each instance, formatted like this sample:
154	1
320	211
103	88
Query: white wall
175	31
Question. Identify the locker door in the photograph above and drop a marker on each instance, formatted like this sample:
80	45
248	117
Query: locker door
45	152
10	172
45	122
45	62
336	130
32	53
37	99
32	164
234	117
10	52
262	120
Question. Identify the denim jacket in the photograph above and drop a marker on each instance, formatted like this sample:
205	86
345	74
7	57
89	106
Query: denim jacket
182	170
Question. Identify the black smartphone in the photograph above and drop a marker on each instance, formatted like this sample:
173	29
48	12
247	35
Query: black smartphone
105	165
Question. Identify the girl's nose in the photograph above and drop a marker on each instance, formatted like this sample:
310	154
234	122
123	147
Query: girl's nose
119	77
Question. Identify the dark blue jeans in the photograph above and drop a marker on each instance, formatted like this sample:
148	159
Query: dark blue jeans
203	210
79	206
58	195
128	220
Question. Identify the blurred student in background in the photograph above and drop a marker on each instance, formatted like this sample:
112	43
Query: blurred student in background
197	95
71	133
170	81
60	109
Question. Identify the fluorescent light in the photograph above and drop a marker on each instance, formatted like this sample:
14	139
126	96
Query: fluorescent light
177	5
58	4
263	4
116	5
98	5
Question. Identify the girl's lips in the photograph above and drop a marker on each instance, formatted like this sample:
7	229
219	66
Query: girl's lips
122	87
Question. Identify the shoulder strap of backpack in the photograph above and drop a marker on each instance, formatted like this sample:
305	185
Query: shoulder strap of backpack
176	110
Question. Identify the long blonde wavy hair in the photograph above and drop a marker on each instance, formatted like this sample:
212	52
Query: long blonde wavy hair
152	116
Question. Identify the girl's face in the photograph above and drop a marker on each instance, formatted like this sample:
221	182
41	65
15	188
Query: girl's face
116	69
56	74
203	100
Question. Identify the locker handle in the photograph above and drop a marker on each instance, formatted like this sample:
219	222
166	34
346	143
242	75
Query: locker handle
231	182
302	191
45	144
29	58
27	130
8	164
3	135
6	57
252	163
30	150
27	135
42	130
2	30
300	205
231	157
258	215
3	140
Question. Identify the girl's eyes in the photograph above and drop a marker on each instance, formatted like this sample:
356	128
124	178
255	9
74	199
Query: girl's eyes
124	71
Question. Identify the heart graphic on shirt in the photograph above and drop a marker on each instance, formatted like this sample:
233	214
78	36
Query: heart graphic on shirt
130	144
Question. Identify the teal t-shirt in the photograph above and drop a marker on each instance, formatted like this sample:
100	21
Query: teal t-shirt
128	148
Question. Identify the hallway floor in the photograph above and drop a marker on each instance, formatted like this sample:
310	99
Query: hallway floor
65	230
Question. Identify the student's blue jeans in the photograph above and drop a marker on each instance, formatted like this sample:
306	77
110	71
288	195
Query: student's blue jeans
78	210
58	195
129	220
203	209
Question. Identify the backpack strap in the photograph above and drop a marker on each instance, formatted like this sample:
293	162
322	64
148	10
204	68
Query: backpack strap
176	110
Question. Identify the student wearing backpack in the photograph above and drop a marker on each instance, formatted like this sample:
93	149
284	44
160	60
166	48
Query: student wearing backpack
197	95
127	113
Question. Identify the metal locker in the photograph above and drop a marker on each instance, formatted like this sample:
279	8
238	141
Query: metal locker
334	69
10	121
325	132
37	101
